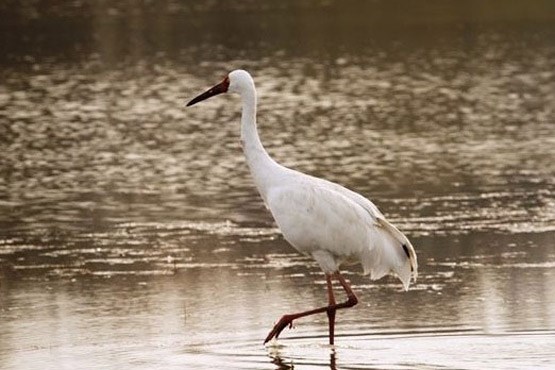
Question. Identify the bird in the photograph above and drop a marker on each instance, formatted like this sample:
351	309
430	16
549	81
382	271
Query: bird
319	218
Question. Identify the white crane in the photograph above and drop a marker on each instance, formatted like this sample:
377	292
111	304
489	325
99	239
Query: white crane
319	218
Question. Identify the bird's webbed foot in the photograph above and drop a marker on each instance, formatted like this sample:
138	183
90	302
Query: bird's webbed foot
284	321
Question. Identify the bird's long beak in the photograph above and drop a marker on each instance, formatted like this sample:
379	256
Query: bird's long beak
218	89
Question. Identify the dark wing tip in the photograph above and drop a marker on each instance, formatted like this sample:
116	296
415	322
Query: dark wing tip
406	249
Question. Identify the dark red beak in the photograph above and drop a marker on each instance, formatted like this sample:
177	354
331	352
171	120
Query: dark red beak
218	89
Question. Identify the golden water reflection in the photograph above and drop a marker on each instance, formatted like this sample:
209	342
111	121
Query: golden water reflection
131	235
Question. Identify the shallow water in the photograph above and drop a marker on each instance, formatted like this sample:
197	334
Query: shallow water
132	236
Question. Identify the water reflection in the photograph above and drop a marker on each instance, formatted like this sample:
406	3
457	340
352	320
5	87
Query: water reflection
288	364
74	157
131	235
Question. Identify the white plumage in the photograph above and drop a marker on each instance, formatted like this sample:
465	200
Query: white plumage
319	218
333	225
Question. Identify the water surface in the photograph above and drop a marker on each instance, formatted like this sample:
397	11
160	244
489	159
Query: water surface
132	236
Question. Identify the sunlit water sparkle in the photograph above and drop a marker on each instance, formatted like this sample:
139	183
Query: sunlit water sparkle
132	236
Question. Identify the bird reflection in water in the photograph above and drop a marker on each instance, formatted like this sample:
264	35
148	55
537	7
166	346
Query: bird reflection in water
283	363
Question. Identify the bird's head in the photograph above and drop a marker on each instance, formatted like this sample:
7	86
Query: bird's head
237	81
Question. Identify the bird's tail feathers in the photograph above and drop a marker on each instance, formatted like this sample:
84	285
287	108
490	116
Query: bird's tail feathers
391	251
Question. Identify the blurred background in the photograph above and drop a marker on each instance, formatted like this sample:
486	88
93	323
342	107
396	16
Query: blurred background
132	236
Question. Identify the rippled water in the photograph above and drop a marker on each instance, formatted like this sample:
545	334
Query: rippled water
132	236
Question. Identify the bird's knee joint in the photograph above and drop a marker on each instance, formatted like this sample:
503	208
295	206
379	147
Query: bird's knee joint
352	301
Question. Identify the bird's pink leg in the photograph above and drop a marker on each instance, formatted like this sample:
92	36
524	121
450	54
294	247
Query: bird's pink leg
287	320
351	296
331	307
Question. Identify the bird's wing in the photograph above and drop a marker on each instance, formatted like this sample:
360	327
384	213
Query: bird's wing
346	214
363	202
382	225
405	244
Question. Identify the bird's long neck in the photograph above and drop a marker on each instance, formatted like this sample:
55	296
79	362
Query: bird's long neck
263	167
